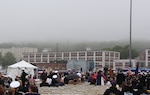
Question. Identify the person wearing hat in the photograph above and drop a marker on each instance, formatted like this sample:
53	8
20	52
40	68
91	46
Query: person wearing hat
54	81
14	88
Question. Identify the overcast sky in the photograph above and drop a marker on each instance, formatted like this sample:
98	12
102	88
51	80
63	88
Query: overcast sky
88	20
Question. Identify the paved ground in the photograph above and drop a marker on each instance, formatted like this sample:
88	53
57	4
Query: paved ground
71	89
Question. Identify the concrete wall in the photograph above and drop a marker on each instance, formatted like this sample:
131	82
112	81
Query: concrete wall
77	65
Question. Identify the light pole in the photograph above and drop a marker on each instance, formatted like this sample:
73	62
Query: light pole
130	46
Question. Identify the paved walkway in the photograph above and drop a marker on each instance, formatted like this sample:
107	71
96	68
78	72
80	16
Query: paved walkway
71	89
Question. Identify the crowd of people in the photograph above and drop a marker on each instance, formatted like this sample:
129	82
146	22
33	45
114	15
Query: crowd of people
129	84
55	78
23	85
119	83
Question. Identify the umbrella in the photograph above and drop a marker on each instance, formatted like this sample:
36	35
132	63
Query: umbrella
72	76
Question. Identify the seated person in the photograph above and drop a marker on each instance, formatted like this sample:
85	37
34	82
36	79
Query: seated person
49	81
54	81
44	83
14	88
112	90
93	78
26	87
127	88
33	90
1	90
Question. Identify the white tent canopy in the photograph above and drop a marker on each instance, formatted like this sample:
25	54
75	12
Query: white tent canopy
16	69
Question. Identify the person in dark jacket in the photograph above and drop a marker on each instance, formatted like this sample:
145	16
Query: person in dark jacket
33	90
1	80
98	77
54	81
148	80
112	90
120	78
23	77
44	83
44	76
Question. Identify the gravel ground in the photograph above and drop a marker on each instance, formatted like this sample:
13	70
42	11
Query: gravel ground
71	89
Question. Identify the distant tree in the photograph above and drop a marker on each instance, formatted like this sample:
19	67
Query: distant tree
107	49
134	53
8	59
124	51
1	59
117	48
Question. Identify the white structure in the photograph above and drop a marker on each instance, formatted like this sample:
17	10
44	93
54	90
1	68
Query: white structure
147	57
124	63
16	69
100	58
17	52
0	67
144	58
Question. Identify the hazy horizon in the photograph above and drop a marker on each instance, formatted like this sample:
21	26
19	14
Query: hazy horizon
73	20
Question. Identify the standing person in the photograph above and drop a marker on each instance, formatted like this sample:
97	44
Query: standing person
111	73
98	77
148	80
1	80
142	79
120	78
23	77
1	85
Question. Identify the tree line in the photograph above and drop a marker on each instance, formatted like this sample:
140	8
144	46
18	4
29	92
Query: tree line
78	46
124	51
7	59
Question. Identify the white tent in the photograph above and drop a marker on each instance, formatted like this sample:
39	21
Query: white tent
16	69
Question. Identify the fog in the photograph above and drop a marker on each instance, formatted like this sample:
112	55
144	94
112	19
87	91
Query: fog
73	20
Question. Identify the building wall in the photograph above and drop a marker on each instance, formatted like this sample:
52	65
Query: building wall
147	57
53	66
17	52
144	58
100	58
124	63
